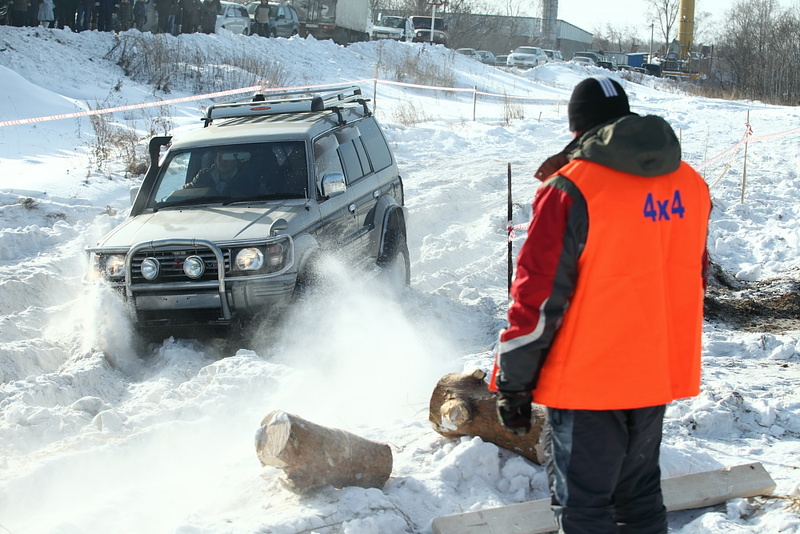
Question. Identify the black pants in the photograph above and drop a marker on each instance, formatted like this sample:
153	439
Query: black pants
603	470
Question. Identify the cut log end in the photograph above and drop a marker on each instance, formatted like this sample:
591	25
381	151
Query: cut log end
462	405
313	456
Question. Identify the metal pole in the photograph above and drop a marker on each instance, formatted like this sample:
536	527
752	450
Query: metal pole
510	244
375	91
474	101
433	19
650	58
744	170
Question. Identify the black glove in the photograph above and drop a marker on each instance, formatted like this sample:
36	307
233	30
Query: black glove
514	411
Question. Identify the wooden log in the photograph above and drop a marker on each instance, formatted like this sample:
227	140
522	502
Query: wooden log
312	456
696	490
462	405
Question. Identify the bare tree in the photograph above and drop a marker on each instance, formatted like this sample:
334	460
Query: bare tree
664	13
616	38
762	62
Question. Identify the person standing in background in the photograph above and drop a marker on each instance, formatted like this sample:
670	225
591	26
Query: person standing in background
140	14
125	15
19	13
208	15
84	18
261	16
46	13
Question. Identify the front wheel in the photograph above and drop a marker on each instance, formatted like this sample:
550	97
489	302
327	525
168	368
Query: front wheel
394	263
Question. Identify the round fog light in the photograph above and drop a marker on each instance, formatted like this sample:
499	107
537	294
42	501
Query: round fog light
194	267
150	268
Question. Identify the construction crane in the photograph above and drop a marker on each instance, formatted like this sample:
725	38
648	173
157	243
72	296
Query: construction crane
686	28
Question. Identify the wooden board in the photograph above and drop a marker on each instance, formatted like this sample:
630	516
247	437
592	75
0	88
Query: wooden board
686	492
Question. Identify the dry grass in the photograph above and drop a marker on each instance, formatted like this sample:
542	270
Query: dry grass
167	63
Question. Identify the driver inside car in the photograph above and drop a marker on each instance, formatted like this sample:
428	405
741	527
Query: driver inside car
221	177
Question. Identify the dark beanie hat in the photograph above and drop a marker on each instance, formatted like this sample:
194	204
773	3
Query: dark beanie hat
595	101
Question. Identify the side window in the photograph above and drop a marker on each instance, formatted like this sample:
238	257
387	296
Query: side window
353	167
352	153
378	152
326	159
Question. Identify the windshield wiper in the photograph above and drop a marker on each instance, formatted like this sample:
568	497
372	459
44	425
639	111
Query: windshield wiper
272	196
192	201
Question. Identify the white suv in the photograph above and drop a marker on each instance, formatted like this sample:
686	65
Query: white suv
233	218
526	56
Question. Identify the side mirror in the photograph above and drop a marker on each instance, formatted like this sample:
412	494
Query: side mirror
133	192
333	184
277	227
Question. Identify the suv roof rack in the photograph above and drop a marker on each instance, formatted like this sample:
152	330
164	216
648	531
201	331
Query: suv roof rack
301	101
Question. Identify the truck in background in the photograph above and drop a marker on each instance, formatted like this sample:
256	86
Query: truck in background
393	27
343	21
423	33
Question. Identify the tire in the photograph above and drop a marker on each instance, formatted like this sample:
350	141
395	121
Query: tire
394	263
308	278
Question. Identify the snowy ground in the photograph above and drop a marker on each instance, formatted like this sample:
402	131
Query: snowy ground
100	435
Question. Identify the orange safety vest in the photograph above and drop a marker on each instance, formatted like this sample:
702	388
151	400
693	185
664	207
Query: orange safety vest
631	337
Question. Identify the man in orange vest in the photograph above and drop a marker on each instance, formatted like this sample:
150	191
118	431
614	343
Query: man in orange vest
606	321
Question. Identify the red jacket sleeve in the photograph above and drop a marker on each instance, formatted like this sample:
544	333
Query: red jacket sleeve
543	285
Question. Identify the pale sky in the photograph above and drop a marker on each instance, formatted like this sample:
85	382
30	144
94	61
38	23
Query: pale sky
596	14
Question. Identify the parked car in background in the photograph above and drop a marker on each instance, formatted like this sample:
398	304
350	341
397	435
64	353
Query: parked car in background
422	30
391	27
553	56
234	18
487	57
606	65
469	52
583	60
526	56
283	20
594	56
653	69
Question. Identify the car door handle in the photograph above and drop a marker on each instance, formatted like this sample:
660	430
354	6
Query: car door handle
352	208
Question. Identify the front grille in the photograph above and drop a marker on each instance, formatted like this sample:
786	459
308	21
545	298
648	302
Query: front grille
171	261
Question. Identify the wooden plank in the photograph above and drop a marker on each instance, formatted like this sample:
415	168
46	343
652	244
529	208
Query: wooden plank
699	490
686	492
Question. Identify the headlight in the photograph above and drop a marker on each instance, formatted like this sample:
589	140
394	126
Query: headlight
271	257
150	268
249	259
194	267
114	266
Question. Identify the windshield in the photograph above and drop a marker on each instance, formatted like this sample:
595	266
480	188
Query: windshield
527	50
391	22
231	173
425	23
